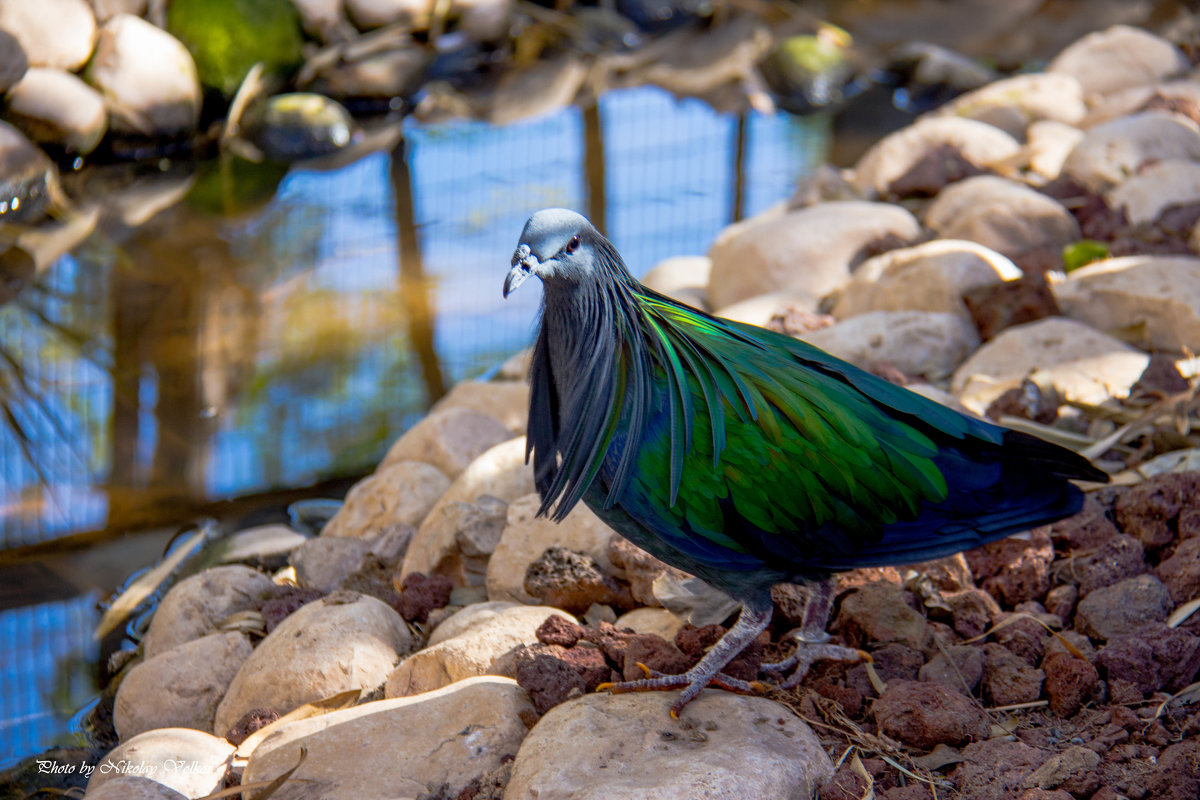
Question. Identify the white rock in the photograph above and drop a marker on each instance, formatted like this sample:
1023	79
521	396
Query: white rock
1158	185
191	762
658	621
53	33
398	493
1080	362
377	13
483	20
507	401
324	563
1048	143
483	637
808	252
1118	58
1004	215
194	606
929	277
1013	103
54	106
684	278
1152	301
343	641
133	787
1111	152
526	537
408	747
54	238
107	9
181	687
147	77
500	472
262	543
13	62
547	85
930	344
322	19
897	153
449	439
725	747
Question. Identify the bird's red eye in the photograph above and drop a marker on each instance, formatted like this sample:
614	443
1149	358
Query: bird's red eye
573	245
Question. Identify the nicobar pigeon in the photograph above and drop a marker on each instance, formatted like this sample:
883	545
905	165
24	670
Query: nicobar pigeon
749	458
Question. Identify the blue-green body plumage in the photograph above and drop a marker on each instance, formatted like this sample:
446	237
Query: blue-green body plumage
747	457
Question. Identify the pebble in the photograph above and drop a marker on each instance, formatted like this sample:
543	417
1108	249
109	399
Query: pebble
1080	362
341	642
1070	682
505	400
928	277
1015	569
458	539
1180	572
147	77
826	239
194	606
684	278
54	106
878	612
468	644
1112	152
1001	214
53	33
396	494
1152	301
1012	104
437	743
1118	58
1161	184
325	563
724	747
191	762
133	787
922	344
996	768
526	537
1007	679
181	687
449	438
1151	658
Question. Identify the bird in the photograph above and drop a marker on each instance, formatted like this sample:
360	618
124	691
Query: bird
750	458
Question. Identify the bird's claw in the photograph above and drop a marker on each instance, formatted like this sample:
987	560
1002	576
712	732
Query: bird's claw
690	682
806	654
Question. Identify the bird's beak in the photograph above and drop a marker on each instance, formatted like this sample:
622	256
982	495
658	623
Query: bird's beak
523	262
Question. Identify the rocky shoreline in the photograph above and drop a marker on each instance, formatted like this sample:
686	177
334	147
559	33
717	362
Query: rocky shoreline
1026	252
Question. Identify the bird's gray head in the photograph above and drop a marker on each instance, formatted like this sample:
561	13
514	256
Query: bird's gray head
556	244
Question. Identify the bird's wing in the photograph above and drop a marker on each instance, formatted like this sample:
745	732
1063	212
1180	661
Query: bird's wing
773	446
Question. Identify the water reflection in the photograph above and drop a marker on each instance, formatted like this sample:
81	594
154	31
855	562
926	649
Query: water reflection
233	329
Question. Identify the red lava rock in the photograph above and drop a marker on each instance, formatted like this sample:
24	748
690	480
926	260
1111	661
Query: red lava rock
1023	637
276	609
559	631
1087	530
795	320
789	600
1115	559
850	699
1160	378
879	612
961	671
939	167
1008	679
1014	570
641	569
573	582
973	610
549	680
924	715
420	594
1045	794
656	653
847	784
253	720
694	641
1152	510
995	769
589	663
1061	600
896	661
1156	657
998	306
1070	683
914	791
1180	573
1177	776
1124	607
611	640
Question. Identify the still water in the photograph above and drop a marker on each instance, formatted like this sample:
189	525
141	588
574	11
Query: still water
227	331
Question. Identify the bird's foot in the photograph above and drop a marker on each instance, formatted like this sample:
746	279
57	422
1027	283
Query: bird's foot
692	682
808	653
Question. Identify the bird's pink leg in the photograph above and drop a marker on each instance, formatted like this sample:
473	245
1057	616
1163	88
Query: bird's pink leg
749	625
812	640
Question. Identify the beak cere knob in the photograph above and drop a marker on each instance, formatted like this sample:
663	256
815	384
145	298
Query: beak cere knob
523	262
